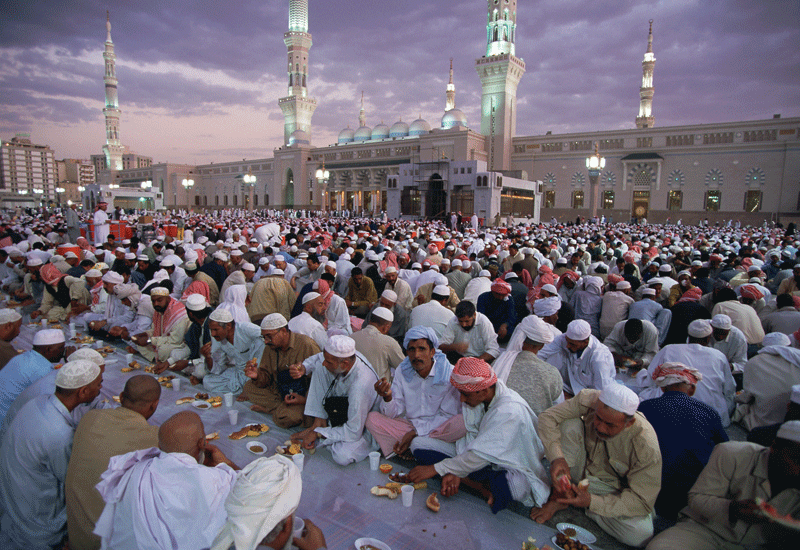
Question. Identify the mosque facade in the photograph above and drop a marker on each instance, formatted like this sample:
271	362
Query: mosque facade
747	171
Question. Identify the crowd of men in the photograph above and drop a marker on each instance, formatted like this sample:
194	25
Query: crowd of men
587	366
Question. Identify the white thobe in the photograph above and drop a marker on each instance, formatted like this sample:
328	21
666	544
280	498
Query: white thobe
101	226
156	500
767	383
409	276
645	348
615	309
475	288
227	372
650	310
503	435
350	442
717	387
403	291
179	282
480	339
433	315
306	324
734	347
593	368
426	277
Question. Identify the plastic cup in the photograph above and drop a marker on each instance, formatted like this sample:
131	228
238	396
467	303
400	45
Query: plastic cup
128	358
228	399
100	344
299	460
407	494
374	460
233	416
72	329
298	525
44	323
176	384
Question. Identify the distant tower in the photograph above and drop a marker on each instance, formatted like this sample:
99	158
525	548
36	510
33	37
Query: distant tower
451	91
113	148
297	107
646	118
500	72
362	114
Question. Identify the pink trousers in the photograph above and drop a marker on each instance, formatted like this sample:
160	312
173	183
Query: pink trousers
389	431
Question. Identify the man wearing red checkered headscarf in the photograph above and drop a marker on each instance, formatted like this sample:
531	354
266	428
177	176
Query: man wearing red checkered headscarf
500	453
498	305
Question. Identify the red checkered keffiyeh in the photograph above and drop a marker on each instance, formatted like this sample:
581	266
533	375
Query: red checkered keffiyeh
50	274
501	287
667	374
752	292
472	374
691	295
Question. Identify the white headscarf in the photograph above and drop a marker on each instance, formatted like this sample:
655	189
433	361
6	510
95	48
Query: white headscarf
234	302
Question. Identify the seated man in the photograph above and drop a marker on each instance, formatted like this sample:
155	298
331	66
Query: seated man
60	292
647	309
433	313
100	435
501	454
116	314
722	510
234	346
164	340
341	396
633	343
198	334
598	435
361	293
499	307
276	385
730	341
419	411
400	316
687	431
469	334
766	434
175	492
261	507
34	458
309	322
10	326
373	342
580	358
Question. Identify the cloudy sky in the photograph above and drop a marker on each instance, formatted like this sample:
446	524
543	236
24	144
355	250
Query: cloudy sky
199	80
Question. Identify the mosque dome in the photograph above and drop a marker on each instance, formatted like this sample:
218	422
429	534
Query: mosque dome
453	118
364	133
299	137
419	127
398	129
381	131
347	136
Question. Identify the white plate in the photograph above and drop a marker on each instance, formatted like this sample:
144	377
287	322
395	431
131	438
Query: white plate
582	535
252	444
373	542
200	404
389	477
553	540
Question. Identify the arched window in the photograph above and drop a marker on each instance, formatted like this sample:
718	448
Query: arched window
289	197
216	200
226	200
255	199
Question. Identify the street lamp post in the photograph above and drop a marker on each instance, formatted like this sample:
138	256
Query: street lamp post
59	190
146	185
323	176
250	181
595	165
187	184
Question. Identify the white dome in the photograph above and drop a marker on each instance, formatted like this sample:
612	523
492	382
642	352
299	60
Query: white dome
398	129
381	131
299	137
363	134
419	127
346	136
453	118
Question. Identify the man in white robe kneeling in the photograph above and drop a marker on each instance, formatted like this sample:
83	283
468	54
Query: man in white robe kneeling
501	454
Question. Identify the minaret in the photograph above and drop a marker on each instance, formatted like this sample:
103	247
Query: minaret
451	91
500	72
297	107
646	118
362	114
113	148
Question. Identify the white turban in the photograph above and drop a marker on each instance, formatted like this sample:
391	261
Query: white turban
545	307
550	288
113	278
620	398
220	315
341	346
266	492
273	321
536	329
578	330
127	290
776	339
76	374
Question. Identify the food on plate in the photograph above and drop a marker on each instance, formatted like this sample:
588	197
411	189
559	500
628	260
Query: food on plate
215	401
289	448
166	381
368	547
83	339
55	326
385	468
381	491
417	486
212	436
184	400
400	477
203	396
256	448
569	544
570	532
433	503
251	430
117	399
58	366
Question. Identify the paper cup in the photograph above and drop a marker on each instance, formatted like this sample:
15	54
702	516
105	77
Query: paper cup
44	323
228	399
176	384
72	329
407	493
298	526
299	460
100	344
128	358
233	416
374	460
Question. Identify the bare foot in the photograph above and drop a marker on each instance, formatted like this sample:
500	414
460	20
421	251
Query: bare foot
540	515
194	380
259	409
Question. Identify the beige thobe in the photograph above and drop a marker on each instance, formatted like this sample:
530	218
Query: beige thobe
382	351
271	295
77	292
213	289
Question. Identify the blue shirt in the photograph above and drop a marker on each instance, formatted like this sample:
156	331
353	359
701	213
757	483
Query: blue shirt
19	373
499	312
687	431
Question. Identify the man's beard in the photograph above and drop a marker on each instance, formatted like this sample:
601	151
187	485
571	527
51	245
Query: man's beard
160	309
320	317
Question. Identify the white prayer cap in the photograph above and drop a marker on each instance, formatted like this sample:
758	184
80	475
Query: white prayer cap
697	263
236	252
390	269
441	290
545	307
445	260
390	295
562	260
795	396
456	263
113	278
93	273
274	321
655	281
265	493
510	275
167	263
536	329
620	398
159	291
623	285
310	296
550	288
664	268
344	256
190	266
466	264
87	354
416	265
578	330
263	261
220	256
776	339
48	336
484	273
143	258
721	321
341	346
790	430
648	292
196	302
685	272
383	313
221	315
33	262
76	374
69	255
248	266
120	249
130	256
9	316
700	328
277	271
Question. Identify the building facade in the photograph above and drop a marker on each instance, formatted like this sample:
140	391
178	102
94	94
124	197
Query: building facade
28	176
